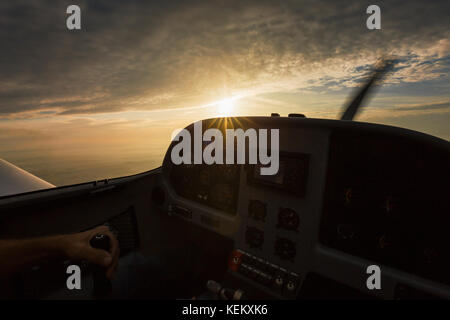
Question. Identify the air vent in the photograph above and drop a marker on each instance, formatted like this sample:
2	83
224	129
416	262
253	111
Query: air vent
125	227
180	211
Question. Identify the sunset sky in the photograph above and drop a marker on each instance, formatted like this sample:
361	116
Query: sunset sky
103	101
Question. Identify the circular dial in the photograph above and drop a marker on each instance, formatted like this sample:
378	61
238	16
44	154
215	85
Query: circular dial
254	237
288	219
285	249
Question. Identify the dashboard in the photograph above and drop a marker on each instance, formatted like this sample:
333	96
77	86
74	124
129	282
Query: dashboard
347	195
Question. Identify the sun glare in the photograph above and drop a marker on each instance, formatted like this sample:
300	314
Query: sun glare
225	107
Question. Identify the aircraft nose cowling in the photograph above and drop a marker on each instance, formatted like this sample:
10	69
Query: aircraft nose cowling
14	180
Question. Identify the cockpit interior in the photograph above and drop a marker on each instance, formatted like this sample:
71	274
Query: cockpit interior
347	195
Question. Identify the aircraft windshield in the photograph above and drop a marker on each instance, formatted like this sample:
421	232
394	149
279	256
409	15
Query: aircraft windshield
103	100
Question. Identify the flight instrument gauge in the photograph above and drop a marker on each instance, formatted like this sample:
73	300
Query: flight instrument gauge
288	219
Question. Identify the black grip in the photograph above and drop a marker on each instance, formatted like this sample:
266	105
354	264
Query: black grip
102	285
101	241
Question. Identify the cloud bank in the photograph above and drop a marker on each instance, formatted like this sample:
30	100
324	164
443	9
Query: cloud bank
145	55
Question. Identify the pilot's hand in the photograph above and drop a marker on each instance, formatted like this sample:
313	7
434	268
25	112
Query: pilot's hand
77	247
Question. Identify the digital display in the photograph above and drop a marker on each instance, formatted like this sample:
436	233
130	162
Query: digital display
271	179
291	176
216	186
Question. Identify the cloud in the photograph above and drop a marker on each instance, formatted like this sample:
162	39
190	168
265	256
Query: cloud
136	55
445	106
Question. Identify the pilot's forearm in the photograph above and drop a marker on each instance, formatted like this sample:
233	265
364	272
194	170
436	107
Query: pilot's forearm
15	255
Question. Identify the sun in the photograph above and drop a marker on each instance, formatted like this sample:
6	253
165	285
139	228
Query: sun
225	107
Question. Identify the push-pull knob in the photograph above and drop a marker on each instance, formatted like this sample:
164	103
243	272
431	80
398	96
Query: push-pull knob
102	285
224	293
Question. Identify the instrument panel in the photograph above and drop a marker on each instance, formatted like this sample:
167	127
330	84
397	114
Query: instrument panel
268	217
341	201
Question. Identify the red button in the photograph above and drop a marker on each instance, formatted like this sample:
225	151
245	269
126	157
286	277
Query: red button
235	260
